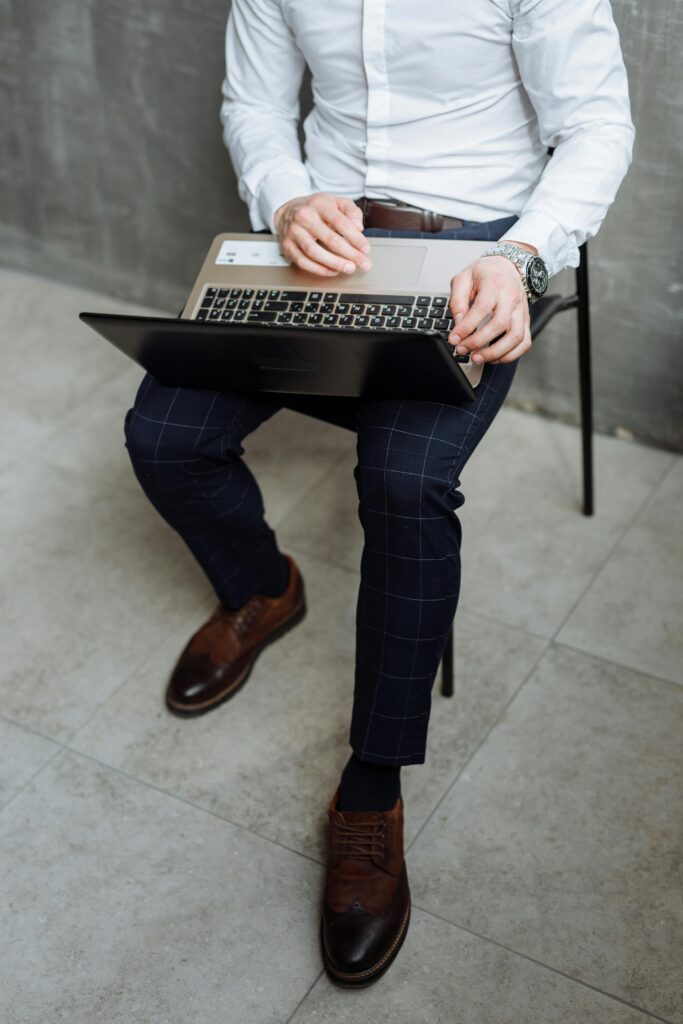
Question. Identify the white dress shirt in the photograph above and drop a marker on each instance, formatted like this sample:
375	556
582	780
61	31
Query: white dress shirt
445	105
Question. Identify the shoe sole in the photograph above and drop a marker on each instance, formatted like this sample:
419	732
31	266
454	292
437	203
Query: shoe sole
192	711
372	974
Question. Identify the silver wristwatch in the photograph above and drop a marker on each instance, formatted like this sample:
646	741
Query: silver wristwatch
532	269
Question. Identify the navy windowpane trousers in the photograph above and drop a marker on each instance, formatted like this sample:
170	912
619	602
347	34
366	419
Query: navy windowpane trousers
185	447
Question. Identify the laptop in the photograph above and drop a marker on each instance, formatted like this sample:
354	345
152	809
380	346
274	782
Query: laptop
255	322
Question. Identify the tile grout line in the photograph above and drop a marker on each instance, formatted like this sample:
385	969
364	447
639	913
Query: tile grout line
304	998
542	964
188	803
36	773
501	714
662	680
620	536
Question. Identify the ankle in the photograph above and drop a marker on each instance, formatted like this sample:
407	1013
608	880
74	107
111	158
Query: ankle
366	786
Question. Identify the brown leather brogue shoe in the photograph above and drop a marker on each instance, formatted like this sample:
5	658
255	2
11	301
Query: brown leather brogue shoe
366	908
219	657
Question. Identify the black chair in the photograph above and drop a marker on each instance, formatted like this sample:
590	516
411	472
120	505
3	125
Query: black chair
339	411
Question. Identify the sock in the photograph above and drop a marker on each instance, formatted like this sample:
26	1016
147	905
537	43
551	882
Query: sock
368	787
277	582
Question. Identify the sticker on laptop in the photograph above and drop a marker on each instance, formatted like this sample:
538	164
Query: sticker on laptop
251	254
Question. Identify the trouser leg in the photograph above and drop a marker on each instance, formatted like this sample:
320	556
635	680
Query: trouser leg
410	455
186	446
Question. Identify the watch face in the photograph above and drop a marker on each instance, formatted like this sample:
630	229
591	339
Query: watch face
537	275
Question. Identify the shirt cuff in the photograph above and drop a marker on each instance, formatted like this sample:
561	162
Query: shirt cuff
278	187
557	248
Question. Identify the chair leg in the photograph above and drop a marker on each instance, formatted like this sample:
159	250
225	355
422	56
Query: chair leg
447	667
585	386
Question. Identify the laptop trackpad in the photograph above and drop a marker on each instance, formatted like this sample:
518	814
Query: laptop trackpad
392	266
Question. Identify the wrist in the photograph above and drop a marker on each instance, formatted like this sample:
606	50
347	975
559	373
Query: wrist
523	245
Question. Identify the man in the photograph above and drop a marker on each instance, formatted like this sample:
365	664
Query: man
434	120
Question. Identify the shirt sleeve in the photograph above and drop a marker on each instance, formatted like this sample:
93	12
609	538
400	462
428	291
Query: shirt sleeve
260	108
571	65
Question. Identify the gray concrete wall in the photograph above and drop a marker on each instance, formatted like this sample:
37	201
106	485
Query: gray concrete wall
113	175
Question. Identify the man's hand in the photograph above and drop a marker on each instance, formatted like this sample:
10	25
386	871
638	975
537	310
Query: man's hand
490	289
323	234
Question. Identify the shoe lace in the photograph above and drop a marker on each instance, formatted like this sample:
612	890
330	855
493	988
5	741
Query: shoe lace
362	839
240	619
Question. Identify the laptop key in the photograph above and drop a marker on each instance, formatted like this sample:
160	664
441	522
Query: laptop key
377	321
409	321
442	325
330	297
404	311
227	314
358	307
262	293
315	319
293	296
425	324
248	293
361	321
311	307
202	314
315	297
274	293
275	306
327	307
211	293
388	310
423	300
330	319
373	309
440	300
261	317
398	300
394	321
207	302
245	303
341	307
257	305
346	320
239	315
223	293
219	303
231	304
214	314
284	318
236	292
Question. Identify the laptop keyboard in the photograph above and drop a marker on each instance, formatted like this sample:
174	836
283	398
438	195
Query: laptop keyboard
347	310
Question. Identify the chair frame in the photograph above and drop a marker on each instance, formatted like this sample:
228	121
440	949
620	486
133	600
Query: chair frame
546	309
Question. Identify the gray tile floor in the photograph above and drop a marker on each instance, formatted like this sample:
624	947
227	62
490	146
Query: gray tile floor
162	871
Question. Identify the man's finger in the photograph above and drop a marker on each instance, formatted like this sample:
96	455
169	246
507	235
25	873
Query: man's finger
483	304
345	223
510	339
351	209
336	242
299	258
461	295
519	350
497	325
305	239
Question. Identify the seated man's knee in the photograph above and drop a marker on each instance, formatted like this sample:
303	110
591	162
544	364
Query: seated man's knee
167	438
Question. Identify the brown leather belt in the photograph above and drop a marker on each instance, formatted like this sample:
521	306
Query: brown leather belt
392	214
